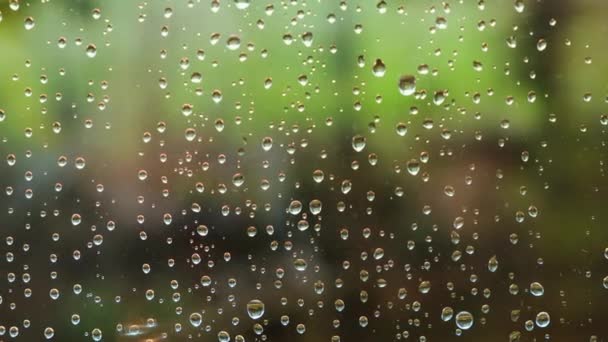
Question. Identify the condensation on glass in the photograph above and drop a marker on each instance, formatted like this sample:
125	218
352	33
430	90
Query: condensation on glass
306	170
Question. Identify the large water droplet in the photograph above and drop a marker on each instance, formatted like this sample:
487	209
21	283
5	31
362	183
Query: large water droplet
255	308
464	320
378	69
543	319
241	4
196	319
407	85
359	143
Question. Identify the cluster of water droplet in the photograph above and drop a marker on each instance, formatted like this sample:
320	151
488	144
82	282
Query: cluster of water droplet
274	199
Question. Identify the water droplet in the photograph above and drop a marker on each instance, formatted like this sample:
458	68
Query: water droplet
233	42
196	319
449	191
493	264
49	333
196	77
29	23
358	143
447	313
300	265
543	319
378	69
407	85
223	336
315	207
267	143
307	39
96	334
295	207
255	309
537	289
464	320
238	179
413	167
91	50
241	4
76	219
541	45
